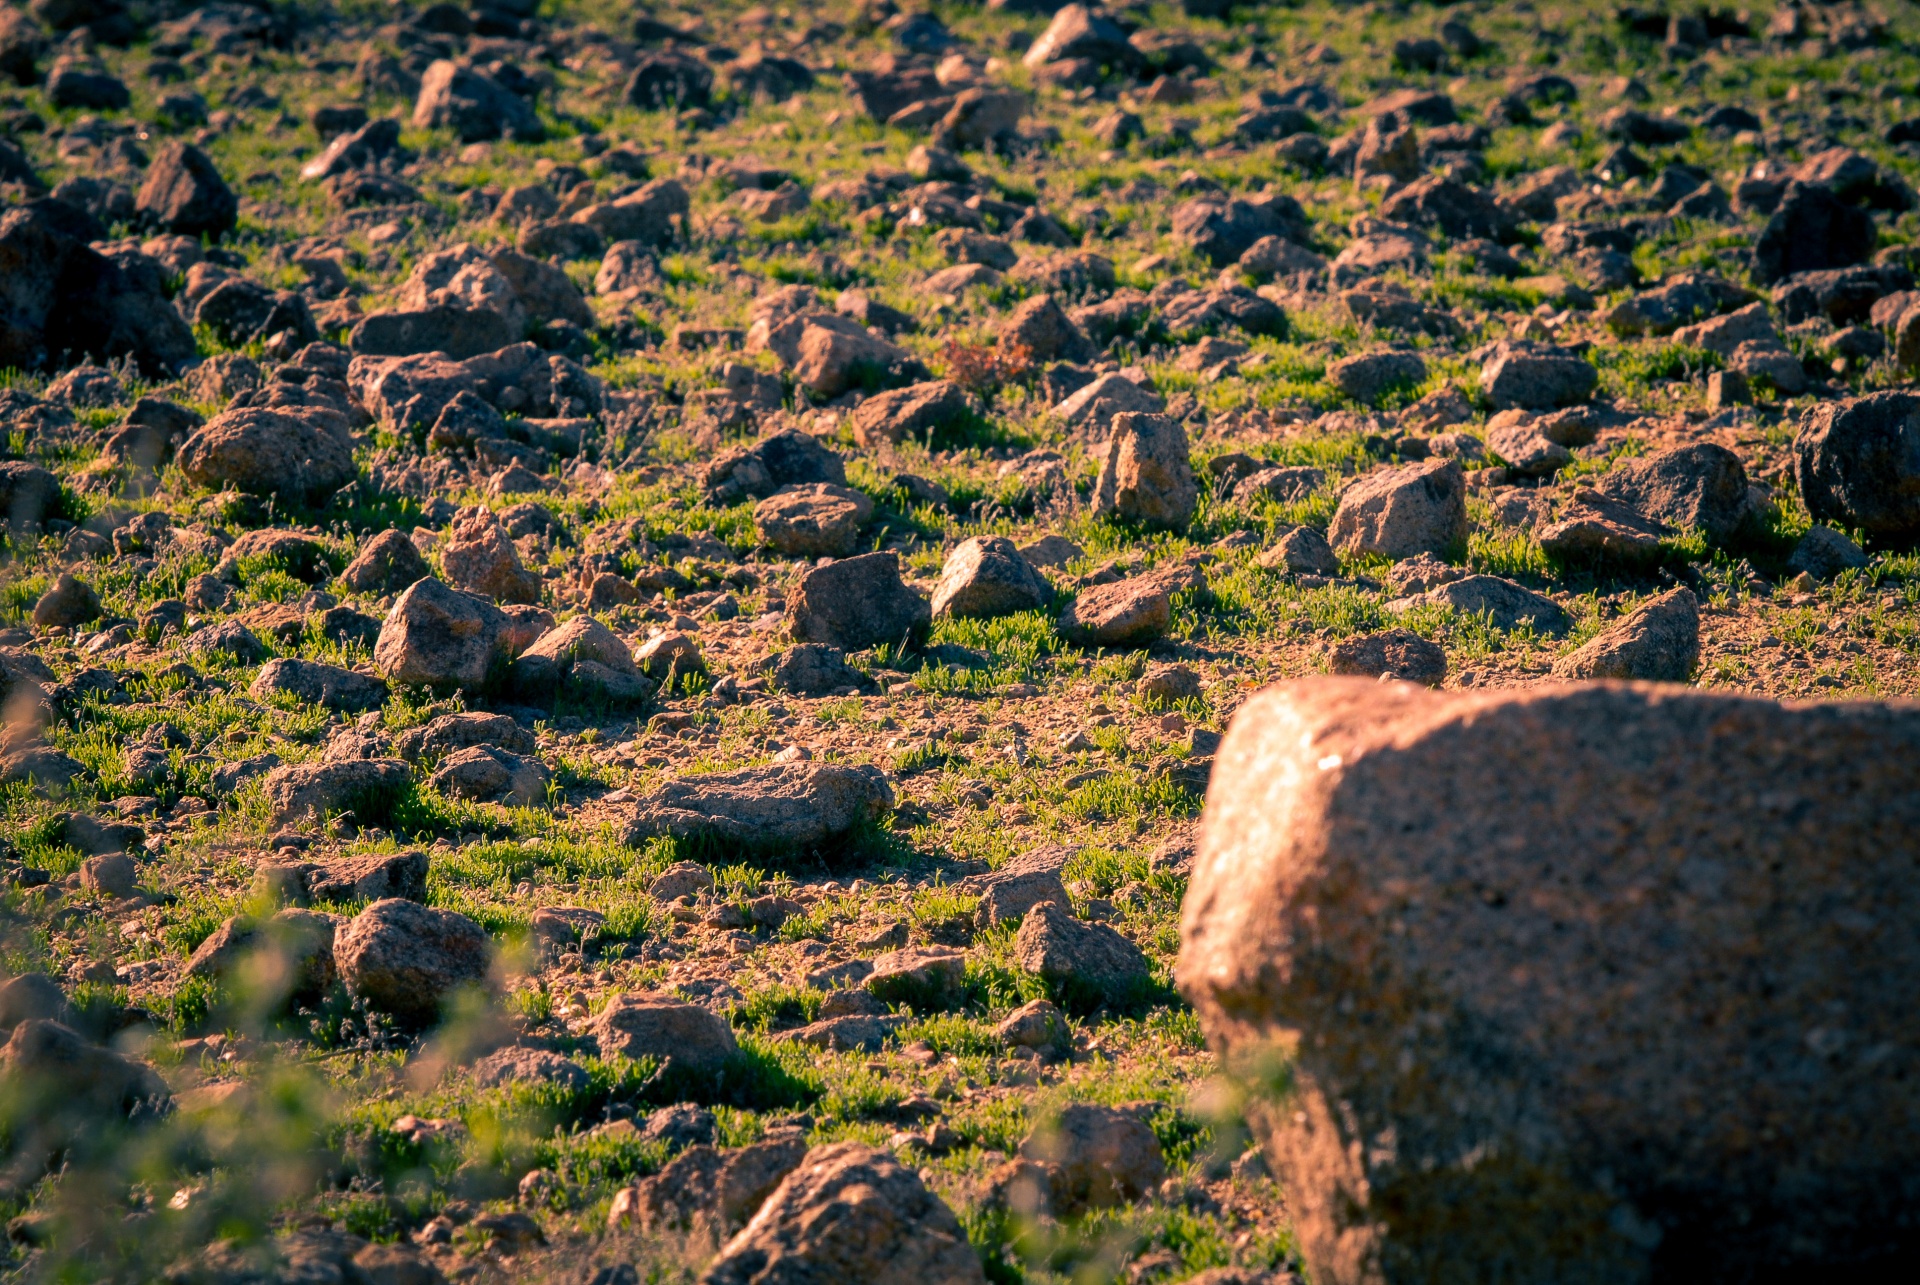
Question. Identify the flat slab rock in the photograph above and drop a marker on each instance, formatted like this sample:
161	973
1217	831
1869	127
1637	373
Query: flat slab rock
803	805
1593	930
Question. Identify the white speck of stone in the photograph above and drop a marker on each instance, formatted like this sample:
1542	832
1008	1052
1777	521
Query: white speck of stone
1329	763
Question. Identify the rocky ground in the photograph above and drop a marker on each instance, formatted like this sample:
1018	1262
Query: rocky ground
614	620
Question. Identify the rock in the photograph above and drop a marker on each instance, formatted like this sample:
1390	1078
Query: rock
786	458
1080	32
319	684
408	960
1679	300
1526	451
1101	1157
986	576
1415	508
302	793
679	1126
1093	407
1220	230
364	878
667	79
696	1040
1857	464
543	290
1007	894
458	332
1607	1043
647	217
229	639
303	453
586	657
492	775
30	996
1078	960
114	875
184	194
1596	527
782	805
856	603
1126	613
1812	230
916	411
66	302
1455	209
812	520
480	557
67	602
473	105
681	879
1300	552
1700	487
1401	653
58	1087
441	638
73	84
708	1190
924	977
1367	377
1727	333
669	653
29	495
300	942
387	563
1504	604
449	732
850	1213
811	669
1042	328
1536	376
42	766
1659	641
1037	1024
1147	476
1824	553
516	1065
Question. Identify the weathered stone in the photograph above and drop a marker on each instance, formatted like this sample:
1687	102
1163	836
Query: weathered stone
1101	1157
785	805
1075	958
915	412
472	104
408	960
986	576
30	996
1147	475
1455	209
856	603
319	684
695	1039
709	1190
681	879
442	638
310	792
1043	330
1416	508
1038	1024
387	563
1537	376
925	977
816	519
184	194
492	775
1596	527
1126	613
786	458
516	1065
850	1213
813	669
458	332
480	558
1301	551
1811	230
449	732
1659	641
304	453
294	950
1367	377
1093	407
1575	1060
1702	487
1526	451
1007	894
1857	463
1501	602
68	601
1824	553
1401	653
59	1087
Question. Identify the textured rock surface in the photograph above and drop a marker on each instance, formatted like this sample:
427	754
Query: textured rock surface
660	1027
1658	641
408	959
1609	972
1417	508
986	576
803	805
1146	475
855	603
1857	464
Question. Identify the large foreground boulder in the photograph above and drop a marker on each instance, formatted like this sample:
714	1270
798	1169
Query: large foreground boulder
789	805
1648	1017
850	1213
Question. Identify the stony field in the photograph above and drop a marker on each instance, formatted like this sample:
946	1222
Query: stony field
615	625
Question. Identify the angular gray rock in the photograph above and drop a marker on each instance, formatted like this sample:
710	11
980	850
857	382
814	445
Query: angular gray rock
449	732
786	458
1007	894
1529	1000
1399	652
441	638
1126	613
1824	553
184	194
1857	463
1504	604
586	656
304	453
407	959
658	1026
1596	527
473	105
814	519
1302	551
850	1213
1415	508
306	793
1077	959
1701	486
856	603
491	775
986	576
709	1190
1658	641
1146	475
1367	377
387	563
480	557
1536	376
319	684
802	805
813	669
911	412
